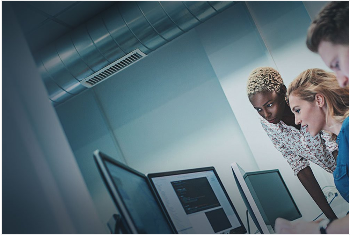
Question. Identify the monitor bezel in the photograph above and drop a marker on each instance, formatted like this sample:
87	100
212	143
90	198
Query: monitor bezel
126	217
240	230
248	199
247	174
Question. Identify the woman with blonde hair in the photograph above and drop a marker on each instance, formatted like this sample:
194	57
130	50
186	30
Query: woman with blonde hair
320	104
267	94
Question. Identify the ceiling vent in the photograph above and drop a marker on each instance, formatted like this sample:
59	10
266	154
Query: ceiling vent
115	39
113	68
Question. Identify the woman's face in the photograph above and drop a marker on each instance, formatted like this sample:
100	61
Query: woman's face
308	114
269	105
336	57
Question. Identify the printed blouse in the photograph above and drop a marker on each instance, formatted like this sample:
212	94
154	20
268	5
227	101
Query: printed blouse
298	147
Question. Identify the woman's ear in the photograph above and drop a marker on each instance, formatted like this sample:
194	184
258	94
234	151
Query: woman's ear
320	101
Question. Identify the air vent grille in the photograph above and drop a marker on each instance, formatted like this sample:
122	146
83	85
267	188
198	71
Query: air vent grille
113	68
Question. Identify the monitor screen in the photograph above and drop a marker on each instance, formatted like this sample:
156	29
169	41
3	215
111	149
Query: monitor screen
247	197
136	202
196	201
266	197
271	196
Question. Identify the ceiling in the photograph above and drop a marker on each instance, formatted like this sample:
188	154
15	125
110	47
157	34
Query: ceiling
44	21
77	45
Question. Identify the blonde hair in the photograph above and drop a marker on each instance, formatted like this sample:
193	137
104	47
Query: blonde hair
317	81
264	79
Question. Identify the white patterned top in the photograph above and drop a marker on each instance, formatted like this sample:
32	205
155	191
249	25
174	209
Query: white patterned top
299	147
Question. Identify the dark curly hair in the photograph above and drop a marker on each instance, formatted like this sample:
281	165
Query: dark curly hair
331	24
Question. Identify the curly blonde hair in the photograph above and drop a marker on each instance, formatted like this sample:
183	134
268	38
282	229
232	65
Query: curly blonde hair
264	79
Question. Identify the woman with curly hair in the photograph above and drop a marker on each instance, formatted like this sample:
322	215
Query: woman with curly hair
267	93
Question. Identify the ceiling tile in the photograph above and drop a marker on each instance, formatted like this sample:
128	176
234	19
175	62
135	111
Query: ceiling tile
46	34
28	19
83	12
51	7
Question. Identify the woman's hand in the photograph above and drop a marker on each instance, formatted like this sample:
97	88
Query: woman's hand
299	226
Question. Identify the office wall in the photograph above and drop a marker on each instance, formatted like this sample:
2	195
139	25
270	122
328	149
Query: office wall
43	190
166	112
184	105
314	7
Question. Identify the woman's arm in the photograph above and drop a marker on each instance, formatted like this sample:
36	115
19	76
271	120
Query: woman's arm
338	226
311	185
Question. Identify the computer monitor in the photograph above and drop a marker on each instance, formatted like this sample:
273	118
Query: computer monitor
266	196
248	199
272	196
140	210
196	201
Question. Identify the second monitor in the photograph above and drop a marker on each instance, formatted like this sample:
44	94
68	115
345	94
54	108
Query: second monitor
196	201
272	196
266	197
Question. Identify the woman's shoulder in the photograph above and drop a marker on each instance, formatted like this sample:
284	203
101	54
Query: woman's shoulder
280	130
269	127
346	123
345	128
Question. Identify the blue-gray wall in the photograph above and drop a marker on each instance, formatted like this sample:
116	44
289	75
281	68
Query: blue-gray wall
184	105
43	190
166	112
